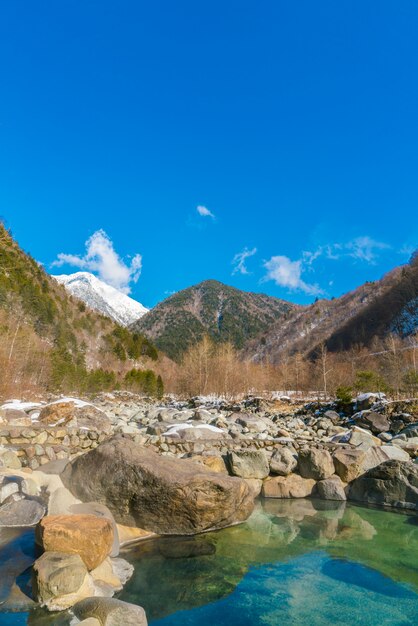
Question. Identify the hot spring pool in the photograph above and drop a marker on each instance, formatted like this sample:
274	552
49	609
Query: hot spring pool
293	562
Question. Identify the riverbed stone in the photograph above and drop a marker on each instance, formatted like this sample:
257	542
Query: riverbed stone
315	463
60	580
283	462
22	513
89	536
248	464
155	493
393	483
331	488
291	486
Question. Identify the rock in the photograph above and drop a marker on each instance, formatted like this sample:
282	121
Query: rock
255	484
331	489
100	510
129	534
110	612
112	572
393	483
363	439
282	462
85	415
60	580
395	454
376	422
366	400
253	424
61	501
292	486
89	536
315	463
248	464
159	494
213	463
21	513
15	417
9	458
333	416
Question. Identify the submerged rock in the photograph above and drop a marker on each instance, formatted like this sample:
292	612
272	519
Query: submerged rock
110	612
160	494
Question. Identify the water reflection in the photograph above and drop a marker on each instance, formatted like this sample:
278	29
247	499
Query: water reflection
277	532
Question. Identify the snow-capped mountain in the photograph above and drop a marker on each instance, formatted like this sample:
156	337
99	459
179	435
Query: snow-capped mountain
102	297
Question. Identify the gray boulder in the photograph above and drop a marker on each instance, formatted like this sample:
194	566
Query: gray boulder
315	463
393	483
376	422
248	463
282	462
21	513
331	489
155	493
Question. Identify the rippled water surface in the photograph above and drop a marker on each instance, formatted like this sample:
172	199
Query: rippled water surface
294	562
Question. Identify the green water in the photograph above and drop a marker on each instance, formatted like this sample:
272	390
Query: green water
293	562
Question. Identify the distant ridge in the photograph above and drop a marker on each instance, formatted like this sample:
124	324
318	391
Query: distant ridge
210	308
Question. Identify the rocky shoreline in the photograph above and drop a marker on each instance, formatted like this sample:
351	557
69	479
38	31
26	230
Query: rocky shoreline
94	476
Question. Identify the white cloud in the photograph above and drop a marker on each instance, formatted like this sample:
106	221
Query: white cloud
365	248
204	211
288	273
102	259
239	261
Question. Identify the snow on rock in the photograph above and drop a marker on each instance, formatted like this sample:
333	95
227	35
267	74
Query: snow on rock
102	297
19	405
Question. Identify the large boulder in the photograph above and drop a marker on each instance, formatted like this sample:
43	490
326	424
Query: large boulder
110	612
60	580
282	462
248	463
292	486
351	463
159	494
87	535
393	483
315	463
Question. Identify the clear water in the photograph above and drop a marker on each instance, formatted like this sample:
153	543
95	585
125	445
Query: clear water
294	562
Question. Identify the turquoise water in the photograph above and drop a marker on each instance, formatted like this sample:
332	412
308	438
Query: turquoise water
294	562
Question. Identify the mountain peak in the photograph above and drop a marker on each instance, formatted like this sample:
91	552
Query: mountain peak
102	297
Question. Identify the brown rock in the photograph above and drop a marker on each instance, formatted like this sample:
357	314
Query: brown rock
348	463
87	535
87	416
291	486
159	494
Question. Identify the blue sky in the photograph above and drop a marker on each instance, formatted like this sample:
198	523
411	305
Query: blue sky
175	137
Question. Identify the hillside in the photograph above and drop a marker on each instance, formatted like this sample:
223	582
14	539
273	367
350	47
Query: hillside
210	308
103	298
357	318
50	339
